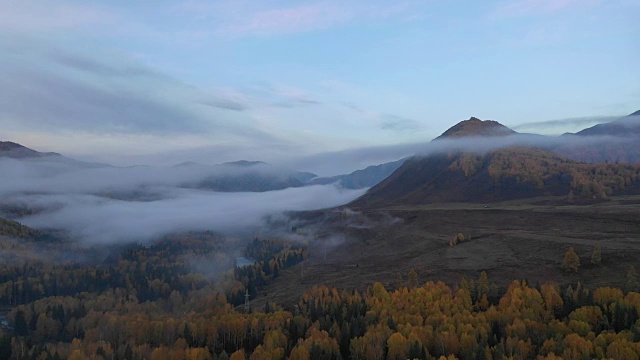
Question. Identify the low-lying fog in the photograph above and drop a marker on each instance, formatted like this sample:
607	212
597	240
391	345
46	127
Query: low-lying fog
149	201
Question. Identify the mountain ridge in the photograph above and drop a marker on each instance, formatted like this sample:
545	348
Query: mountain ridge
362	178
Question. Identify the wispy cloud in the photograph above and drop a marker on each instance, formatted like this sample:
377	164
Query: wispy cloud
563	125
63	91
398	123
245	18
40	16
300	18
517	8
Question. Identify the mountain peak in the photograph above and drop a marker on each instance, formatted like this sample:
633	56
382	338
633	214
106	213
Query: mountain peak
637	113
476	127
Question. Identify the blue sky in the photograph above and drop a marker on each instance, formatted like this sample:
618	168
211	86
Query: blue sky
274	79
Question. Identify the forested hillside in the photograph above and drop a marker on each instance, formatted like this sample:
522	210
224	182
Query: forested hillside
153	302
504	174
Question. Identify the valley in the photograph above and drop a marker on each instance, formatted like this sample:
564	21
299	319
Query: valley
521	239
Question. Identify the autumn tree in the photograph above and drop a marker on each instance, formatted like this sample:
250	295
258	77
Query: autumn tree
632	282
238	355
596	255
456	239
571	262
412	278
398	346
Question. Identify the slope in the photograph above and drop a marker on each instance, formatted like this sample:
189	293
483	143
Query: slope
616	141
363	178
504	174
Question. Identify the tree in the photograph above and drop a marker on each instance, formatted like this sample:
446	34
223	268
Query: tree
571	262
457	239
596	256
238	355
412	278
398	346
632	283
21	327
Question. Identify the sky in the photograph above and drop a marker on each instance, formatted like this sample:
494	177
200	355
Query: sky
161	82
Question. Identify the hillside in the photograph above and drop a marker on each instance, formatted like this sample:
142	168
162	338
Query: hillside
363	178
248	181
617	141
17	151
625	126
294	177
14	229
504	174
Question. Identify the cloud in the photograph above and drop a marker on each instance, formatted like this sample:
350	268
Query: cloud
226	104
398	123
282	96
563	125
100	68
346	161
299	18
80	200
27	16
99	220
518	8
259	96
56	90
245	18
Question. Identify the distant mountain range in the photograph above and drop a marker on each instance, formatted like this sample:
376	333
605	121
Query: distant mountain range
13	150
618	141
364	178
234	176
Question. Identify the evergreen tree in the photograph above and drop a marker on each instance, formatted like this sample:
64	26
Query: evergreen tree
632	283
596	256
20	326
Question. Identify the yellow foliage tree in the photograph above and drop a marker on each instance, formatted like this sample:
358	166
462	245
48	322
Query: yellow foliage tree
571	262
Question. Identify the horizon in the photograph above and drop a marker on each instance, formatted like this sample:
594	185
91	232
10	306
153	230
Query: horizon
323	164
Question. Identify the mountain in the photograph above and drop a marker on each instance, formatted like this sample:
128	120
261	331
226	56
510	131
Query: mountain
625	126
363	178
301	176
476	127
17	151
503	174
244	176
304	176
244	163
615	141
373	175
9	149
248	181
